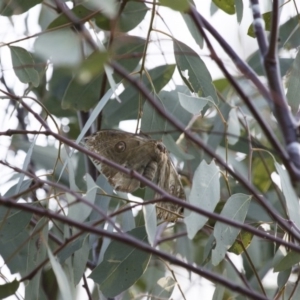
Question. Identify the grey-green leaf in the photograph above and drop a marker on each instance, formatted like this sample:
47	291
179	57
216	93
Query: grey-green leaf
293	85
194	105
23	65
292	200
122	265
205	193
236	209
198	77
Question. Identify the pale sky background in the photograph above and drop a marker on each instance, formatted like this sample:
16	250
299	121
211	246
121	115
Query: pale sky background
225	24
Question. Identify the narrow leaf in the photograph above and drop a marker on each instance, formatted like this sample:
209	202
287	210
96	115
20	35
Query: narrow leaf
62	280
292	200
205	193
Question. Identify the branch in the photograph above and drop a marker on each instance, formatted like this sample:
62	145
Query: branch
129	240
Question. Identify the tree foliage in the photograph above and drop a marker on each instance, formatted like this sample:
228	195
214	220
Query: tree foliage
234	141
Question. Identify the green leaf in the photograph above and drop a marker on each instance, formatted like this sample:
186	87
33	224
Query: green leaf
80	260
292	201
198	77
16	7
261	169
80	11
236	209
226	5
293	85
122	265
267	17
131	16
287	262
23	65
81	95
179	5
205	193
9	288
244	239
194	105
91	67
193	29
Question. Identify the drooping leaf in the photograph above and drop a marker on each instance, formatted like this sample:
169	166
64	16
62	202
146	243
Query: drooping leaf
198	76
23	65
122	265
292	201
239	6
131	16
193	29
226	5
205	193
235	208
293	85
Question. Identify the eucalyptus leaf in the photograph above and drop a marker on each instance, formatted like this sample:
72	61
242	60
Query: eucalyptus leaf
23	65
233	129
205	193
37	252
198	76
236	208
62	280
293	85
122	265
292	201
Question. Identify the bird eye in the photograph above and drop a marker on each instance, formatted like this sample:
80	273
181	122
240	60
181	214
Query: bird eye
120	147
